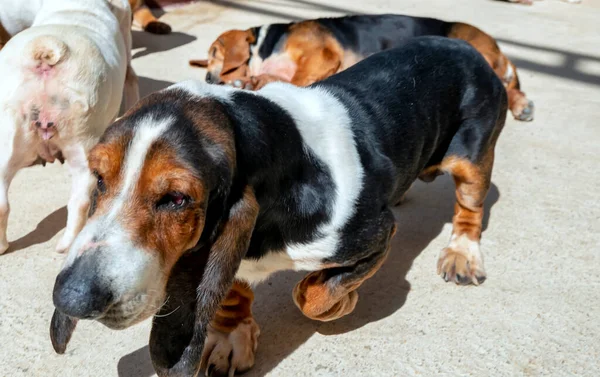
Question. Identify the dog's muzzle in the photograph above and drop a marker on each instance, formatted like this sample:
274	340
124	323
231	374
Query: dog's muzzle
79	290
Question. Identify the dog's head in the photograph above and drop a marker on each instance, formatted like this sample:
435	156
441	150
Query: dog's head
167	228
228	57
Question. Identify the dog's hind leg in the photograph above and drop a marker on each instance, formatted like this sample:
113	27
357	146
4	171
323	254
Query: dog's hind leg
330	294
79	203
520	106
461	261
11	160
7	173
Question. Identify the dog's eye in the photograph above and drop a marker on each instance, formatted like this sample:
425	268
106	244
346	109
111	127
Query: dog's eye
173	200
213	52
100	182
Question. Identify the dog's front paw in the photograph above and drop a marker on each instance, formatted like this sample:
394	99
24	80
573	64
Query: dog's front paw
157	27
3	246
460	267
64	244
225	354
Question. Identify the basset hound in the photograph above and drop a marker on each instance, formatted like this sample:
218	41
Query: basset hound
308	51
203	190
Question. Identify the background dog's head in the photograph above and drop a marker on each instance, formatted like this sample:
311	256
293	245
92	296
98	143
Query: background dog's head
228	57
167	228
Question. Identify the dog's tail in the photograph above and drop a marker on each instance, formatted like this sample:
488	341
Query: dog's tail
47	50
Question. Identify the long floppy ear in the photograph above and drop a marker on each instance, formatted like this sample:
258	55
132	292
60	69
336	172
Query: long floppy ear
198	283
61	329
237	51
202	63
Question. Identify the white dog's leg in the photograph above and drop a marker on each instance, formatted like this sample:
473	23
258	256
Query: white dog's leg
131	92
79	202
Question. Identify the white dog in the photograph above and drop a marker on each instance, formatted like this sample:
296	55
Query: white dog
63	80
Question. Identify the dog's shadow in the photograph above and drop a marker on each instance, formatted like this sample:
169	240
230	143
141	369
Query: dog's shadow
156	43
43	232
420	220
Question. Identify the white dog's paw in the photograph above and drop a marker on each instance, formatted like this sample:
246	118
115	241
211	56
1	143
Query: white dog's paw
3	246
64	244
225	354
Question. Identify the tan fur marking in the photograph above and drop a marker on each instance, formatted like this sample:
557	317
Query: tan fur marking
236	307
162	174
315	51
321	301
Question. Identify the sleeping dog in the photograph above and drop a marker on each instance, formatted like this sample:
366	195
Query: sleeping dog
308	51
63	79
203	190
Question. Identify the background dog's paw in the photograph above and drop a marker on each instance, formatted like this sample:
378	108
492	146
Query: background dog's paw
245	83
157	27
523	110
225	354
459	267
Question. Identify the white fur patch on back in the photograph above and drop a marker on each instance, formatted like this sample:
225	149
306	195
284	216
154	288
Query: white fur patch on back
203	89
325	127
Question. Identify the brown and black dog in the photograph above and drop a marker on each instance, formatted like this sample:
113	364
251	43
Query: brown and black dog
308	51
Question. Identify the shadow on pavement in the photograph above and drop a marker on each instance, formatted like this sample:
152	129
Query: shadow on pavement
43	232
256	7
568	69
157	43
148	85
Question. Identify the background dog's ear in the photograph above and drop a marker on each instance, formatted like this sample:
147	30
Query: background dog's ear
61	329
198	283
202	63
237	51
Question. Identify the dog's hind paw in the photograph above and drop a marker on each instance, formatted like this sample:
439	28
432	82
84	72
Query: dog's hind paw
225	354
157	27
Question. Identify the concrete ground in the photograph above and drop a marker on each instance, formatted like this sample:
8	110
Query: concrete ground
538	314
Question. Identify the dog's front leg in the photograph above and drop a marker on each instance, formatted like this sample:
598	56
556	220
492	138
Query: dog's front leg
232	337
79	203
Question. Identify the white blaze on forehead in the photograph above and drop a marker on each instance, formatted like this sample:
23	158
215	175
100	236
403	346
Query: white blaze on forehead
105	229
146	133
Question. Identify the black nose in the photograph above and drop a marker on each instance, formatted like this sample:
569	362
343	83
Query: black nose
80	292
210	78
